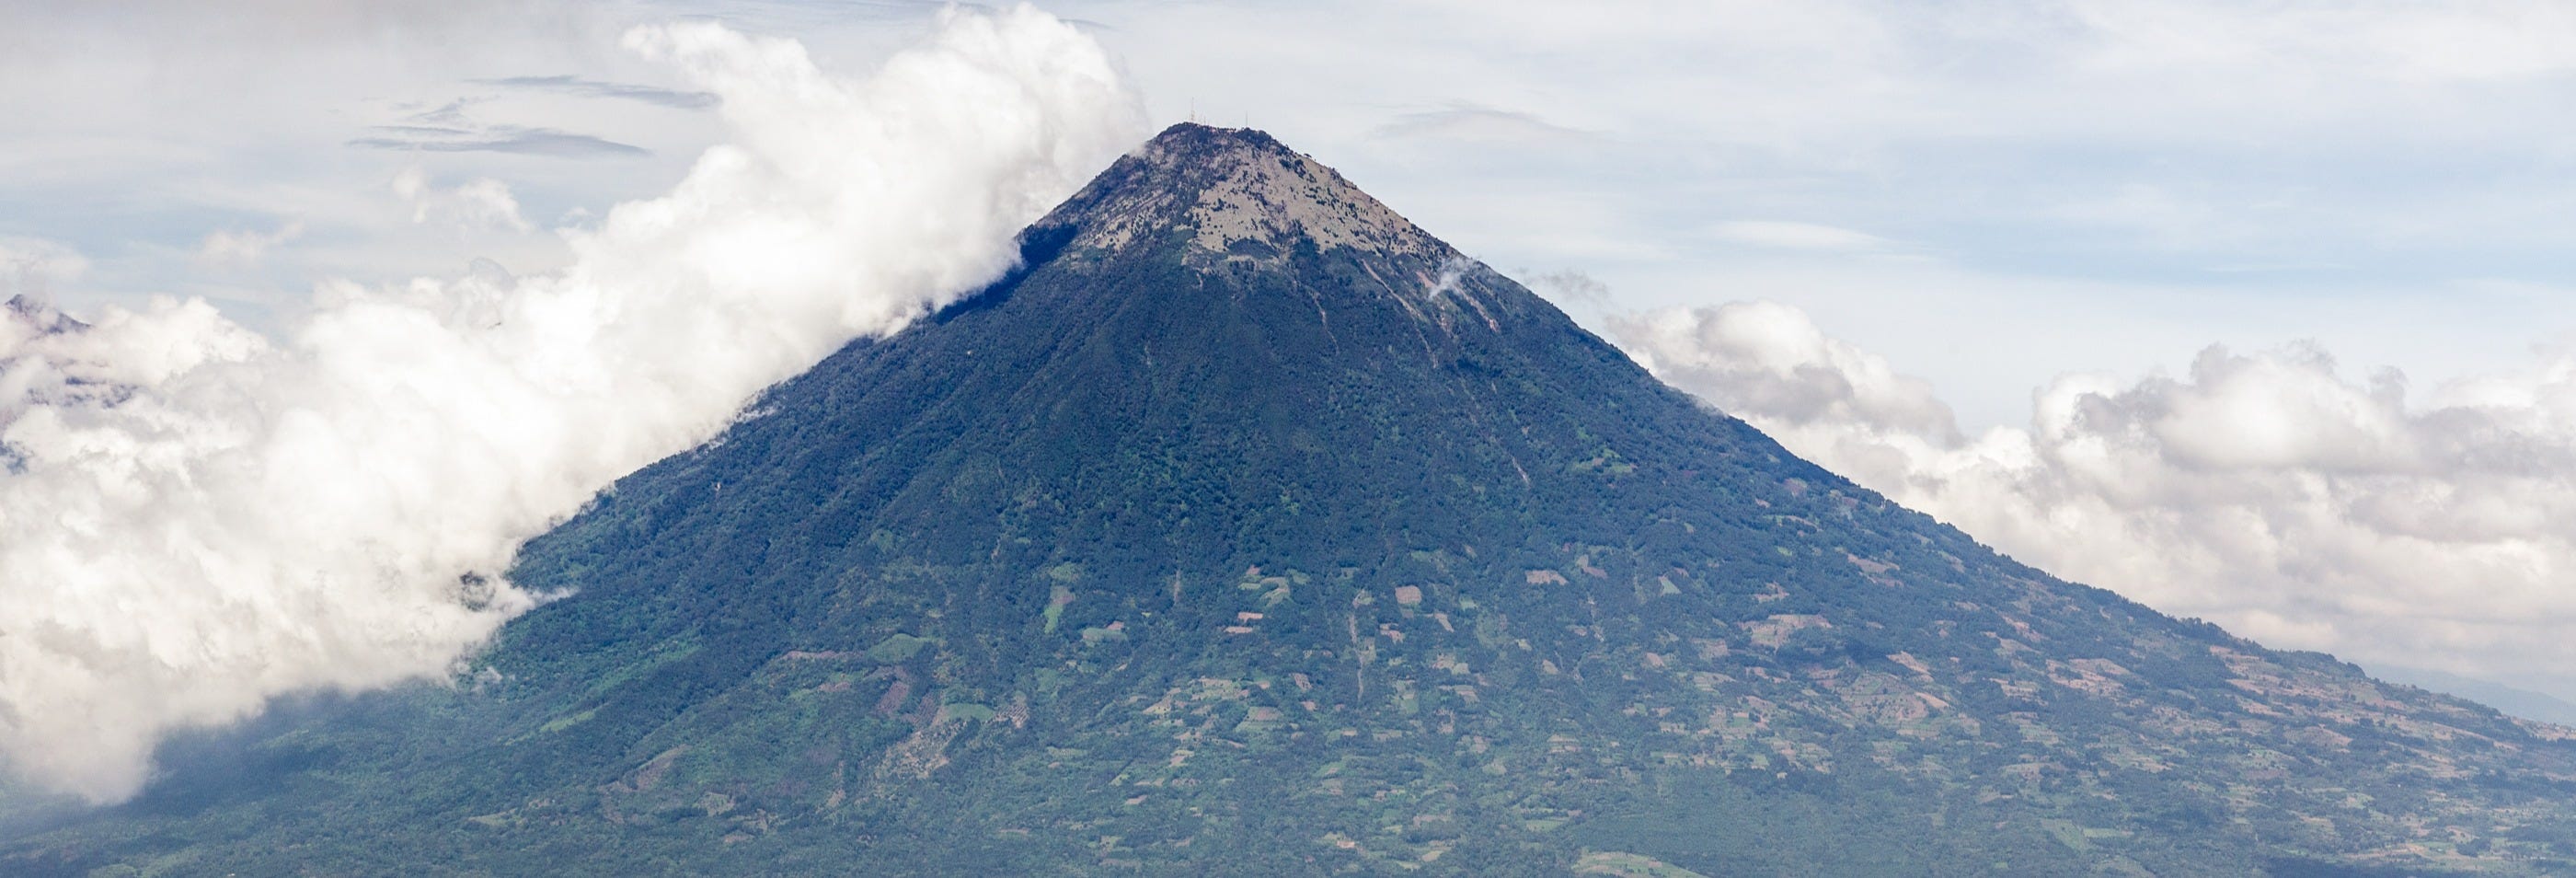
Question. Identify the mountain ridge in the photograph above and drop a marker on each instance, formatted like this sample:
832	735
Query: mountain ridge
37	313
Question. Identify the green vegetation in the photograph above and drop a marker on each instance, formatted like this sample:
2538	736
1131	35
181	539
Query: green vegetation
899	648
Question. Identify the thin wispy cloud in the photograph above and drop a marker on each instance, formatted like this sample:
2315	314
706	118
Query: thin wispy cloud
246	247
498	138
1470	121
1789	235
31	267
450	127
592	88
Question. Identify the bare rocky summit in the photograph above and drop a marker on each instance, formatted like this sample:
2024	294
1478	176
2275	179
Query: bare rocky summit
1238	194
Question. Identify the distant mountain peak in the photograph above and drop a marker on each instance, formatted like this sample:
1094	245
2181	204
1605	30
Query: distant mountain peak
1247	529
44	317
1240	195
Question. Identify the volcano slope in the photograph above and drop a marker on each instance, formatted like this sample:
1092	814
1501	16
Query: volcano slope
1248	529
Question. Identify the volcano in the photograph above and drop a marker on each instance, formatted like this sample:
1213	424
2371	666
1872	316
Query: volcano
1246	528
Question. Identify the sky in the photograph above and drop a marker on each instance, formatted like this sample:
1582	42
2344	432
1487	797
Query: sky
2252	311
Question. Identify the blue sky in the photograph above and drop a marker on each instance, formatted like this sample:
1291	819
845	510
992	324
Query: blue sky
1990	192
2030	218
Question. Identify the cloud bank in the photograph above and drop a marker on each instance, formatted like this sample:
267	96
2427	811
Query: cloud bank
2268	492
195	518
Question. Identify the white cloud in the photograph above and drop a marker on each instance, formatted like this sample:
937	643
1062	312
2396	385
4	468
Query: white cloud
222	113
474	204
246	247
2473	41
31	266
1772	361
1788	235
199	518
1568	286
1467	121
2269	492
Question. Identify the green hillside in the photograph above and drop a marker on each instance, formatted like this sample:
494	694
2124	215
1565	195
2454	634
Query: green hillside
1248	529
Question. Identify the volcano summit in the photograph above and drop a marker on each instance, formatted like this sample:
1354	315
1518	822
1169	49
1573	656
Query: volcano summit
1247	528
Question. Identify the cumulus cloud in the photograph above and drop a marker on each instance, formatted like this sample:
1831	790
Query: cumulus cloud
245	247
1768	360
1567	286
2271	492
195	518
478	203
